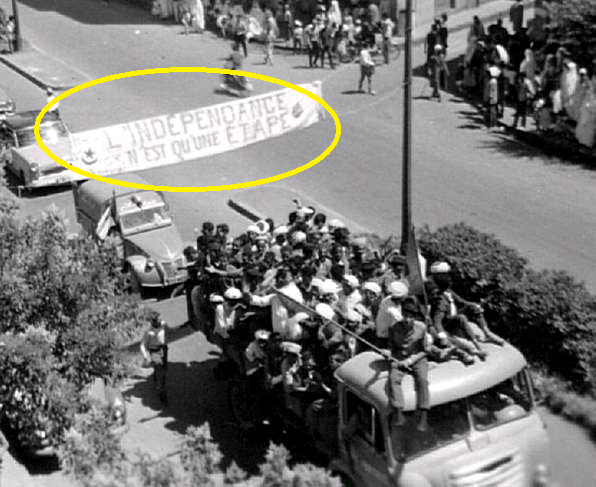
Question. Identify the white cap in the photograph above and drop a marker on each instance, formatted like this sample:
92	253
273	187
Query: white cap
352	280
262	335
281	230
263	226
233	293
291	347
336	223
373	287
354	316
398	289
440	268
253	228
328	286
494	71
215	298
298	237
325	311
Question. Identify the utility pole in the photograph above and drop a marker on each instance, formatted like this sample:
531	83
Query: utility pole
406	192
17	27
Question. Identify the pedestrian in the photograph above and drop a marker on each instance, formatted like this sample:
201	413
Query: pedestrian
432	39
240	32
367	68
154	348
387	32
270	36
409	345
491	97
186	19
298	35
327	41
390	310
199	15
11	34
524	97
443	33
516	15
288	20
476	29
438	72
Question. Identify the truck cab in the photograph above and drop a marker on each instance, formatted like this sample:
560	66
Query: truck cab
150	241
483	431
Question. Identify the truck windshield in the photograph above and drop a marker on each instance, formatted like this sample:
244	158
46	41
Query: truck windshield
447	422
507	401
144	219
49	132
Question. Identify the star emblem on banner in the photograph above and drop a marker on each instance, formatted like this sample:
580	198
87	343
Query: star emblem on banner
89	157
297	110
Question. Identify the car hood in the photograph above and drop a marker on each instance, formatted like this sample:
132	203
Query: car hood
34	153
161	244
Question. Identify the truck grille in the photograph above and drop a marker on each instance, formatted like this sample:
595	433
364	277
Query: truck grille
171	270
506	471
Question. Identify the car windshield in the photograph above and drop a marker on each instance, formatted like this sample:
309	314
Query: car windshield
144	219
507	401
446	423
49	132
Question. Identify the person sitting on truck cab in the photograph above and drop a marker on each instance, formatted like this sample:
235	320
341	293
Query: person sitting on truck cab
409	345
447	319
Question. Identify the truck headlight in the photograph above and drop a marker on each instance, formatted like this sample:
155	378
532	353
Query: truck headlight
149	265
34	168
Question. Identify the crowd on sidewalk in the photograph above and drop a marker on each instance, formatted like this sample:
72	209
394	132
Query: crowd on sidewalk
279	291
527	69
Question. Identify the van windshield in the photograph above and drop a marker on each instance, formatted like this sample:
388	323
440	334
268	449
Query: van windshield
144	219
49	133
507	401
447	422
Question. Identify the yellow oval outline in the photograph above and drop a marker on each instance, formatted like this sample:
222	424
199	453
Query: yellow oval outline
185	189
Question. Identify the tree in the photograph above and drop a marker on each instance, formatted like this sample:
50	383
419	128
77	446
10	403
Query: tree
573	24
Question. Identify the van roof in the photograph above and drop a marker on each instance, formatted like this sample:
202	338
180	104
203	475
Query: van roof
101	191
366	374
27	119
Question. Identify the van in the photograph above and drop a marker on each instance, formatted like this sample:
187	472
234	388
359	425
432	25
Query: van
141	221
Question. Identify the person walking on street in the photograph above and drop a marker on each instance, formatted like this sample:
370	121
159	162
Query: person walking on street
270	37
516	15
524	95
154	349
367	68
327	40
491	97
432	39
438	72
443	33
240	32
387	29
476	29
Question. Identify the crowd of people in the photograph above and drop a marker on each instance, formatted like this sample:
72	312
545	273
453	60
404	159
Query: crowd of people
527	68
288	304
8	30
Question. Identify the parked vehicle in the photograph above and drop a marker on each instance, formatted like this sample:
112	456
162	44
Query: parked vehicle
25	159
484	429
141	220
7	104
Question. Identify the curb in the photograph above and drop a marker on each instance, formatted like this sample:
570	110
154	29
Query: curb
25	74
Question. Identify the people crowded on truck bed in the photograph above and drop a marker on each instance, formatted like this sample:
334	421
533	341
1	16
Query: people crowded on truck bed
273	298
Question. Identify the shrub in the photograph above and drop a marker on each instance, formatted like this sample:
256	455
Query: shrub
548	314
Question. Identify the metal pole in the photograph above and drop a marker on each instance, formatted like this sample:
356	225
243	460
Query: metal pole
17	27
406	210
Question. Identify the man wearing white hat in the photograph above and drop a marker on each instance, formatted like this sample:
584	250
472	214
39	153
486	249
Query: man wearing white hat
349	296
390	310
449	325
226	317
256	353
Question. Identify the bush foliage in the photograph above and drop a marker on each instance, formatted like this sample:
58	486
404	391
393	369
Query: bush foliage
65	317
95	458
548	314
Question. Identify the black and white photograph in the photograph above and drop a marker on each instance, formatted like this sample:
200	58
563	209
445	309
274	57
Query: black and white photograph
298	243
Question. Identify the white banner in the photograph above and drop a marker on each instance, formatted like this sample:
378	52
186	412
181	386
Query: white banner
170	139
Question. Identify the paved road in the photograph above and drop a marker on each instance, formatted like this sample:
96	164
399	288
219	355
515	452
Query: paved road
544	208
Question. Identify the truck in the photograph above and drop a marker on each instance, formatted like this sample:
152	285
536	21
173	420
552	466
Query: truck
484	428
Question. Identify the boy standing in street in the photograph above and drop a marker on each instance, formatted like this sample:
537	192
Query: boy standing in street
367	68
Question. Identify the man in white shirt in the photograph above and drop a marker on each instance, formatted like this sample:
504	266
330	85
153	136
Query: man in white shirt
367	69
390	310
387	28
